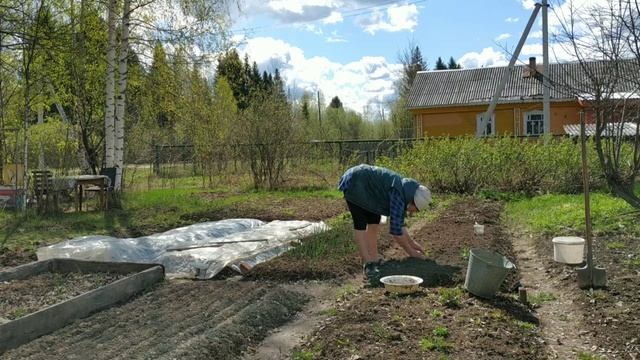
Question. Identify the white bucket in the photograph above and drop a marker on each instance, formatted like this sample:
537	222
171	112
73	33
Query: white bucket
478	229
568	249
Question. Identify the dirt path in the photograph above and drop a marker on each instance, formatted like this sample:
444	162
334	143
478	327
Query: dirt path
560	316
282	340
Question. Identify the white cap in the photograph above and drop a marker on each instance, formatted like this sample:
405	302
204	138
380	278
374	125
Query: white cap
422	197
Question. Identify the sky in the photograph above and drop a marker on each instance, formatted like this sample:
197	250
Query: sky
350	48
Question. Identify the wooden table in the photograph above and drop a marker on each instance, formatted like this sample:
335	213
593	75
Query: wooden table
101	181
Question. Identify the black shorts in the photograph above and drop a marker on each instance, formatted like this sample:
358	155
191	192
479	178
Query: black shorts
362	217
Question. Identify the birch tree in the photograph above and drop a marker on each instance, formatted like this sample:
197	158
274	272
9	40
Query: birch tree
110	88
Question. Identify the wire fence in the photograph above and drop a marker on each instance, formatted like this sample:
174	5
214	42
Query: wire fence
169	160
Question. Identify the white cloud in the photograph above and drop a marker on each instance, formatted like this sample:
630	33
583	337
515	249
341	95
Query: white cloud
310	28
397	18
335	38
356	83
528	4
535	34
486	58
298	6
334	18
531	50
512	19
502	37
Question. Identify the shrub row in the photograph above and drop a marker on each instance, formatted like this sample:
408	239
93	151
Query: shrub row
500	164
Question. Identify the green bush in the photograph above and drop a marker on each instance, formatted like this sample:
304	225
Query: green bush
499	164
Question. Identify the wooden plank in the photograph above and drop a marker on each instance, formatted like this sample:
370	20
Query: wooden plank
49	319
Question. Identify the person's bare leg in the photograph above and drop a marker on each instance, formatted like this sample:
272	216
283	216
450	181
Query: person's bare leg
361	241
371	239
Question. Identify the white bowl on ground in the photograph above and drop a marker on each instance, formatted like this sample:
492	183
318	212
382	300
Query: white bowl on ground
401	284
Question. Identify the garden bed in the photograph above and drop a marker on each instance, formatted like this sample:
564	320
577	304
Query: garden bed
443	320
176	320
43	296
22	297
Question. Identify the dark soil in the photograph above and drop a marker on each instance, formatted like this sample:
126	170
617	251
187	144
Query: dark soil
176	320
373	324
269	209
610	315
11	258
22	297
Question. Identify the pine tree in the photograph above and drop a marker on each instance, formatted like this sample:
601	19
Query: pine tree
335	103
453	65
440	65
230	67
412	62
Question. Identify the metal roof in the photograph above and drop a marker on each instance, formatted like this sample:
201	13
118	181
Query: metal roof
612	129
476	86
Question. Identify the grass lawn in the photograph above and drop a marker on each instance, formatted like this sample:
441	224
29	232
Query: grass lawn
564	215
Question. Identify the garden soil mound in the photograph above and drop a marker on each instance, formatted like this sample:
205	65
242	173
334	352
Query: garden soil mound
442	320
177	320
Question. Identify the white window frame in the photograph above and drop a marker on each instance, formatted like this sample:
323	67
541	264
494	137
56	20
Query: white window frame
492	122
526	119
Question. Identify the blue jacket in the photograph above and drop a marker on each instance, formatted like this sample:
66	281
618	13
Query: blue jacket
372	187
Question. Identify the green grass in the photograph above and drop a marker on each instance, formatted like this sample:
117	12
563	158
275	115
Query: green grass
450	297
142	213
525	325
334	244
303	355
329	312
589	356
616	245
435	343
379	330
564	215
441	331
345	292
540	298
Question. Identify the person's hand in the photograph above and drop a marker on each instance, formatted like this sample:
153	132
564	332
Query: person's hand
416	253
417	246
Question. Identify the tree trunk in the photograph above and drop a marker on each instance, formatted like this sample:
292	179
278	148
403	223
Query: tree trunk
41	146
2	147
121	100
109	112
78	71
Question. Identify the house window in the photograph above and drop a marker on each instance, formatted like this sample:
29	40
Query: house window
534	123
490	126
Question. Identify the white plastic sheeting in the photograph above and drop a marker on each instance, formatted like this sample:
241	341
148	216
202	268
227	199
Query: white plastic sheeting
248	240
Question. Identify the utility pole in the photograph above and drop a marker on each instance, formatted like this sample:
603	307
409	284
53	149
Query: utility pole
546	109
319	114
496	96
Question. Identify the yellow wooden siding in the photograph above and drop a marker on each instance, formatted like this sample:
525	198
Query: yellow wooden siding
461	120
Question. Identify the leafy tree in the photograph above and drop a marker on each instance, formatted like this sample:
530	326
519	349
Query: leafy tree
213	127
614	38
267	138
440	65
